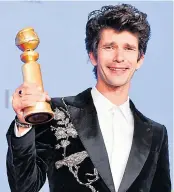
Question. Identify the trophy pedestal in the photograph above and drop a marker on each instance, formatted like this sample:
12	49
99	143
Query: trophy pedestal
38	114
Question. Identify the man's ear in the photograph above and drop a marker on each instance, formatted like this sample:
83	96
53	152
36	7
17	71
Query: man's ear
140	62
92	59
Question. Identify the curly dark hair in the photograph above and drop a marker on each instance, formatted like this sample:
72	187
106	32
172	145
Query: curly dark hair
119	17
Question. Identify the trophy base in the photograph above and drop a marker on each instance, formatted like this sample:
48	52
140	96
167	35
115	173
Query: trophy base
38	114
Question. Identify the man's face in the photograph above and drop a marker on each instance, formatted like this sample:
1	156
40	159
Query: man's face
117	57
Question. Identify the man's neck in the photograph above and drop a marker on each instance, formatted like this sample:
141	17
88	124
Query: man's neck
116	95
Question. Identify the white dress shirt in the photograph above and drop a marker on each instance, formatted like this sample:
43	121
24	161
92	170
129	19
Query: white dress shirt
117	127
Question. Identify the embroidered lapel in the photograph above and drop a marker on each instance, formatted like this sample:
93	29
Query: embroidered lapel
64	130
84	118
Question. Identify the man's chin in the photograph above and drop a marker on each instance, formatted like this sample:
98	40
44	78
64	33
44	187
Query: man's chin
118	84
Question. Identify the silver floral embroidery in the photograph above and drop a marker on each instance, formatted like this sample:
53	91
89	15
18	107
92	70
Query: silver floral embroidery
72	160
63	131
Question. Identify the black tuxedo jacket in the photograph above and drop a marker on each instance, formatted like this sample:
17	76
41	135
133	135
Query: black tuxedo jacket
71	152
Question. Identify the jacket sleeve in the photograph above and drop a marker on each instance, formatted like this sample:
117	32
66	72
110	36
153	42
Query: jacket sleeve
28	158
162	181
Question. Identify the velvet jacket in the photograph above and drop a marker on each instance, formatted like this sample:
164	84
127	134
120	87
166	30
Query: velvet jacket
70	151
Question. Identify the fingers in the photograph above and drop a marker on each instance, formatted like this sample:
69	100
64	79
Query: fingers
28	89
31	94
48	98
31	100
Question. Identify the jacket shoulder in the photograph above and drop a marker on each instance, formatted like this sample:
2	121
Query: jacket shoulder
159	131
155	124
79	100
61	101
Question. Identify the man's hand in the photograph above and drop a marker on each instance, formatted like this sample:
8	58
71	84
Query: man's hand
26	96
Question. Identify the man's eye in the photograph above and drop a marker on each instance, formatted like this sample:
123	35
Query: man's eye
129	48
108	47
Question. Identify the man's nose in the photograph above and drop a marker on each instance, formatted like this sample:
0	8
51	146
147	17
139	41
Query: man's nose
119	56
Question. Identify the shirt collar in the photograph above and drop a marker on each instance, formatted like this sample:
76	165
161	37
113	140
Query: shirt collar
102	104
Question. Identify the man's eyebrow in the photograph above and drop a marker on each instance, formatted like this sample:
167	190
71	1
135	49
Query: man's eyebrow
131	45
109	43
113	43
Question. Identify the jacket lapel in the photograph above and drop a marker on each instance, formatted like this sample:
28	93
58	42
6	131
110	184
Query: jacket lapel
139	151
84	118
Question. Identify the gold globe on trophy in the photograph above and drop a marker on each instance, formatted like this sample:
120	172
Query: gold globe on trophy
27	41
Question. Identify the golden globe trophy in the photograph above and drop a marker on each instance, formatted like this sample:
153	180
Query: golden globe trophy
27	41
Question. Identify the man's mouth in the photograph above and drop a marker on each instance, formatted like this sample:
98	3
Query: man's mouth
117	69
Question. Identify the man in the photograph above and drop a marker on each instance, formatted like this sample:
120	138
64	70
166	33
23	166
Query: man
98	141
